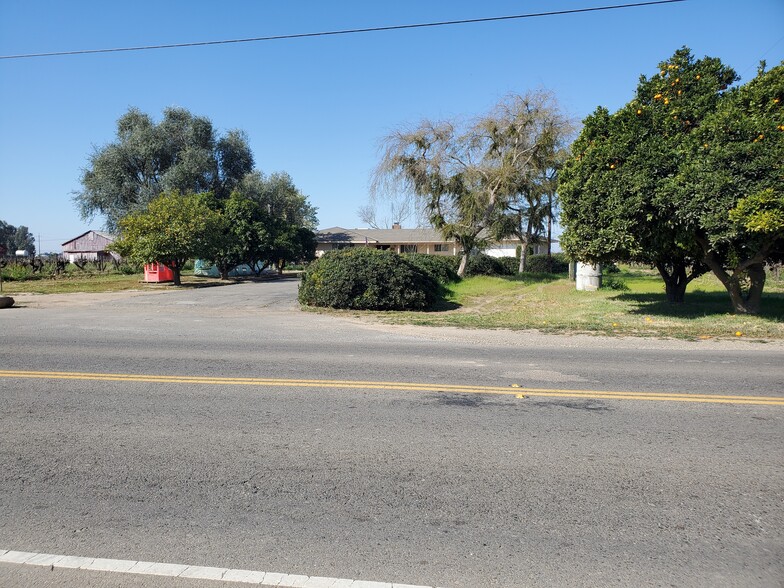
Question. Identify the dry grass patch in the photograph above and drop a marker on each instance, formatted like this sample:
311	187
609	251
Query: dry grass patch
95	283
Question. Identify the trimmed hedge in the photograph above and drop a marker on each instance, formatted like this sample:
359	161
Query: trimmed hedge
538	264
441	267
510	265
367	279
482	264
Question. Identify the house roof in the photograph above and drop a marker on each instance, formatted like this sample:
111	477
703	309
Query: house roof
341	235
104	234
389	236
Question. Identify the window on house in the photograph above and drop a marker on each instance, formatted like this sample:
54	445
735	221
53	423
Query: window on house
408	249
441	247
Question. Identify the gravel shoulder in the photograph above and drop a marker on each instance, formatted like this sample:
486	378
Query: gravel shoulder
29	300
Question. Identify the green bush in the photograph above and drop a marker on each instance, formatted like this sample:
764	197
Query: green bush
538	264
127	268
15	272
482	264
510	265
613	283
367	279
441	267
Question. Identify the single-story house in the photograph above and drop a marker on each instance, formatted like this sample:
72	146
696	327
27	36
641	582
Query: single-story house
90	246
400	240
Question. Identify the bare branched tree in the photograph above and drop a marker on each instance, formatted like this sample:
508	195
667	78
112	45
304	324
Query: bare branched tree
383	210
468	174
537	117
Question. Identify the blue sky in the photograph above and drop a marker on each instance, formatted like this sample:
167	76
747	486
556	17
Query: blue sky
318	107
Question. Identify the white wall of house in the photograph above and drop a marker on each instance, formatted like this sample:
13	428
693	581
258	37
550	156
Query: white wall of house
501	251
510	250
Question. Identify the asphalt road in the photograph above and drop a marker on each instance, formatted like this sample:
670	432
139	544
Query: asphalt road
419	484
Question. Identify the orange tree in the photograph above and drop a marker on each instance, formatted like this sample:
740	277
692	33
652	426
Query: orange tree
616	195
171	230
731	188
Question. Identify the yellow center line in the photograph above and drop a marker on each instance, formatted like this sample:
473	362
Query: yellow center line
408	386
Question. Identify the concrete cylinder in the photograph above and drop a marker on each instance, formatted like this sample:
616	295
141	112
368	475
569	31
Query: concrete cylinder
589	277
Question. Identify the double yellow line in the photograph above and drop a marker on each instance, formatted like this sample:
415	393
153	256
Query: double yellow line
513	390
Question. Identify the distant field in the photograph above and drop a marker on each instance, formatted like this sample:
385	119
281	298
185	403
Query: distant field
552	304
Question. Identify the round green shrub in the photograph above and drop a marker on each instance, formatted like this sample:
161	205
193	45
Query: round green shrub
367	279
441	267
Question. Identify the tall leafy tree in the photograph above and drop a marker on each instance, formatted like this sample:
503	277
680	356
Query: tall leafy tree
172	229
183	152
16	238
615	191
268	222
24	240
7	232
291	221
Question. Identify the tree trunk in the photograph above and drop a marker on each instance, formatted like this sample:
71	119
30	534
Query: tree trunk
523	254
752	301
176	272
463	264
675	282
550	234
525	239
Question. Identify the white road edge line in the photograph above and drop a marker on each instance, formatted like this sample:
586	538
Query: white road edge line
126	566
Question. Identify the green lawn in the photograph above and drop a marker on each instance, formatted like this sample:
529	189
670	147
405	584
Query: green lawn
552	304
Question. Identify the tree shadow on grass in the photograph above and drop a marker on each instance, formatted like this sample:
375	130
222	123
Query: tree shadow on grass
442	306
534	278
699	304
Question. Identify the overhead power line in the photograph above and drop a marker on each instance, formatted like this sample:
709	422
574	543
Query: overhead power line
344	32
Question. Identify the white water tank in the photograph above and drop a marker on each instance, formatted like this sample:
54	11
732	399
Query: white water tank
21	253
589	277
